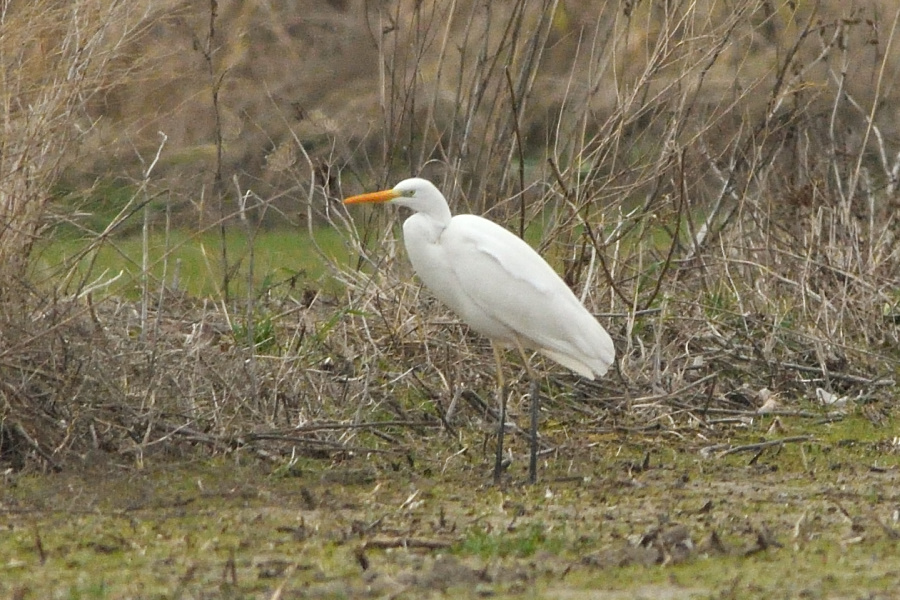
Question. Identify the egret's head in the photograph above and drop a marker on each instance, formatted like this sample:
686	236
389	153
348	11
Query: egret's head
417	194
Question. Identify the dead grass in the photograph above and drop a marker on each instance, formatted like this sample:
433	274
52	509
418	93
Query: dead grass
718	182
54	60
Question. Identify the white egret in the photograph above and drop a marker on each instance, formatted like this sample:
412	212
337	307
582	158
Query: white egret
501	287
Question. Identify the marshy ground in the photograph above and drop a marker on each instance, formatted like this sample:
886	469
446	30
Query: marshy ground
713	512
216	382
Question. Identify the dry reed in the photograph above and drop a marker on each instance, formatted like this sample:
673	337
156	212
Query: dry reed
715	181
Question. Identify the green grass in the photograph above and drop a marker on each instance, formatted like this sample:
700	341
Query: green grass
232	527
520	543
193	261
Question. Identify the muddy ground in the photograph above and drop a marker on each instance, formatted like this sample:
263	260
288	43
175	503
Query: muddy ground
779	507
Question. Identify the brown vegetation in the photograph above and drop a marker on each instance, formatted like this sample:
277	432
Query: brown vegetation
718	180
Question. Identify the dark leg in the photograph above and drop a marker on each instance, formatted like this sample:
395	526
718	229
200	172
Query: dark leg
501	427
535	411
535	415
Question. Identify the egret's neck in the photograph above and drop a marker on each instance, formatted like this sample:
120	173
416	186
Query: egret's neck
436	211
421	228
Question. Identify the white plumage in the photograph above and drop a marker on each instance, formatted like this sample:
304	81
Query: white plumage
498	284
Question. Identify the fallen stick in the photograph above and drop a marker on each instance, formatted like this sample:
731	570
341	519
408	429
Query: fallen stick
384	543
764	445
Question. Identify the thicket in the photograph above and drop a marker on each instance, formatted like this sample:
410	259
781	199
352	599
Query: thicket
718	180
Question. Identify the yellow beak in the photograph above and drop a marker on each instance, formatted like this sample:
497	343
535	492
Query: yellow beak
382	196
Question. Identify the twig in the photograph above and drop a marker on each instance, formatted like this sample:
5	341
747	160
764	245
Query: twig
682	193
385	543
285	578
54	466
804	414
637	402
521	152
832	374
366	425
320	445
764	445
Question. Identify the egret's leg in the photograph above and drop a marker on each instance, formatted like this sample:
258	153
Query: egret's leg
535	413
501	392
535	410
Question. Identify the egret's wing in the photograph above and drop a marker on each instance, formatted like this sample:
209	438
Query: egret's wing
505	279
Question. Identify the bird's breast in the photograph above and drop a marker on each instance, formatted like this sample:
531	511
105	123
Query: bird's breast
442	258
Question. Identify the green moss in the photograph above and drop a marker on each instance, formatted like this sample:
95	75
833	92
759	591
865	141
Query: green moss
804	519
